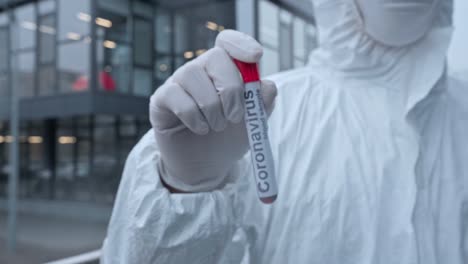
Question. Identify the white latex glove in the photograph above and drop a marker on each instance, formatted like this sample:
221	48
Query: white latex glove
198	115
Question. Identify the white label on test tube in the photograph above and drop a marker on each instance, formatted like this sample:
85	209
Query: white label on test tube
256	124
257	130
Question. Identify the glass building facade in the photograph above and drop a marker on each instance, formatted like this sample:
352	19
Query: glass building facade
84	71
287	38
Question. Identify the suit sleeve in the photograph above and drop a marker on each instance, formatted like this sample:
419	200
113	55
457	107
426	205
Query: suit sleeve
151	225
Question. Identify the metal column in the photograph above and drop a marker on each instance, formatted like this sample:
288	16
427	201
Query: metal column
14	144
247	17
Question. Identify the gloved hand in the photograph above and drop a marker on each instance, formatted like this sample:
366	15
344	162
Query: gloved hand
198	115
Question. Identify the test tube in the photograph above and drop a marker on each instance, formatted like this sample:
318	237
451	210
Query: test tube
256	124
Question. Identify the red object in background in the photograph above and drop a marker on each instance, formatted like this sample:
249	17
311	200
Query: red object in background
81	84
105	80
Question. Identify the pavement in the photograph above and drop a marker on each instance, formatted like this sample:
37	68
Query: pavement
42	238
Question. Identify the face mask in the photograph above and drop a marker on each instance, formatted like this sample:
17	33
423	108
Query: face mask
397	22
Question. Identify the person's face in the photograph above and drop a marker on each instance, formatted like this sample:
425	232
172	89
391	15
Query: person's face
397	22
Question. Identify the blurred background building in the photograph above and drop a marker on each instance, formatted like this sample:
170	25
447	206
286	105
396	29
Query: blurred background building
84	71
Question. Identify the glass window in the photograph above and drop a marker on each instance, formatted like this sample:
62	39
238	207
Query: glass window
4	54
143	9
47	39
186	33
46	79
4	91
163	34
34	142
81	185
206	22
162	31
196	28
83	127
104	120
311	38
114	66
74	19
269	23
47	50
3	158
3	19
118	32
179	61
142	82
285	17
114	53
270	62
143	46
73	66
143	125
46	6
26	19
299	39
65	171
116	6
286	35
105	165
26	67
128	127
162	69
286	49
181	34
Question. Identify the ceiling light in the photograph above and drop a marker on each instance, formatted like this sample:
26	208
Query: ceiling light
188	54
109	44
163	67
35	140
103	22
47	29
73	36
211	25
67	140
83	17
200	52
28	25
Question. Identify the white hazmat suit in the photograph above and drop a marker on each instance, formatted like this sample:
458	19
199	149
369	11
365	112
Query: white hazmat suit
371	150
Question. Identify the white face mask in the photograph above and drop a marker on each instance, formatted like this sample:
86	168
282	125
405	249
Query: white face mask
397	22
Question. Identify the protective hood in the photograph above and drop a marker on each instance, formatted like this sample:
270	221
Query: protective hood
348	50
340	23
397	22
